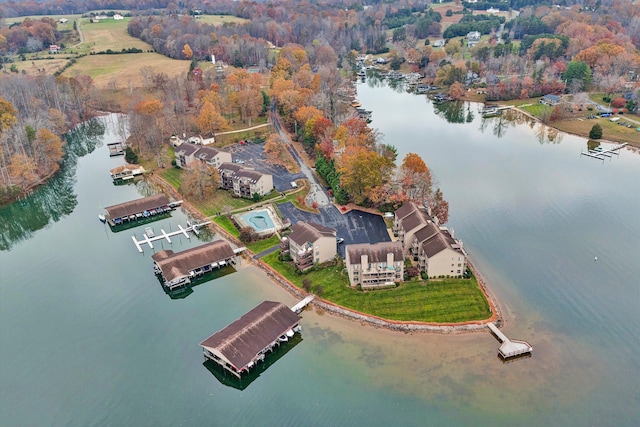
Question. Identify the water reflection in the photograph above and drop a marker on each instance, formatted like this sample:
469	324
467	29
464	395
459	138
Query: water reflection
454	111
55	199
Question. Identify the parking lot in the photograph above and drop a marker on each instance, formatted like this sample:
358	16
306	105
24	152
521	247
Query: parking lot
252	155
353	227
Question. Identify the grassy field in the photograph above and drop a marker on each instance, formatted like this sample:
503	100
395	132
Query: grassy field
120	70
109	34
224	222
41	66
262	245
445	301
221	19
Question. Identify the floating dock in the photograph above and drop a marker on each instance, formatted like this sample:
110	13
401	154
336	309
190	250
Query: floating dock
510	348
149	239
116	149
601	154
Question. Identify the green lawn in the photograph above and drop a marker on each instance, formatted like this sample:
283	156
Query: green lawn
538	109
441	301
224	222
262	245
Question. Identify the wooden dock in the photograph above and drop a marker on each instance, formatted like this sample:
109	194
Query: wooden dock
116	149
509	348
164	235
601	154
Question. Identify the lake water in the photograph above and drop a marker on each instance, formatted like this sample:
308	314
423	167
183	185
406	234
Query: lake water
88	336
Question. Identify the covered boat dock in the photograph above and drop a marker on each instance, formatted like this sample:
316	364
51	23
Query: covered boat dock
178	269
241	345
137	209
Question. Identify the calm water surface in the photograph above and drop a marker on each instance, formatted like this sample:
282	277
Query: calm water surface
88	337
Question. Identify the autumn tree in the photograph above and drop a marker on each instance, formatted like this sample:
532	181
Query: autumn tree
210	120
277	153
363	170
187	52
200	181
48	149
22	169
415	178
457	90
439	207
8	114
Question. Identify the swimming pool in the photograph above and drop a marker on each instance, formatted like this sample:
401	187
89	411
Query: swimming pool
260	220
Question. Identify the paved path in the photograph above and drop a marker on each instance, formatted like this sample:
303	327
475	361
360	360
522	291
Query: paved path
317	193
242	130
267	252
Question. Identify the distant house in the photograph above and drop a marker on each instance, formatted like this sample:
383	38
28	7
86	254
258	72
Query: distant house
439	43
63	20
433	246
376	265
187	153
473	36
309	244
118	17
245	182
550	100
54	48
381	61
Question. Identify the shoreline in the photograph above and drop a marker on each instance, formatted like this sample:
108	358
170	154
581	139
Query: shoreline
347	313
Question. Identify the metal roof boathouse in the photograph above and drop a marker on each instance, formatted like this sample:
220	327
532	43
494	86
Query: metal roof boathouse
245	342
178	269
138	209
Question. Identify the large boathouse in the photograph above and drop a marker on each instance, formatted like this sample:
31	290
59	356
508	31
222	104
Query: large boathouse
137	209
178	269
245	342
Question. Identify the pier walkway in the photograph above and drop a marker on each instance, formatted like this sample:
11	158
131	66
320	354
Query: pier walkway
164	235
302	304
509	348
600	154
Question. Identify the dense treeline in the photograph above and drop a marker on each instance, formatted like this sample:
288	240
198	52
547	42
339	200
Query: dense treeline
35	111
66	7
484	24
31	35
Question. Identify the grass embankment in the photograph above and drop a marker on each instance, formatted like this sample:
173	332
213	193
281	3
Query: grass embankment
437	301
578	123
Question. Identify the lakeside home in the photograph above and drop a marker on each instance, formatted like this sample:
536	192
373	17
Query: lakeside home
187	153
309	244
179	269
244	181
374	266
434	247
244	343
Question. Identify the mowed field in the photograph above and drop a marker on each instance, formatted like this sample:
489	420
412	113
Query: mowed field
109	34
9	21
119	71
42	66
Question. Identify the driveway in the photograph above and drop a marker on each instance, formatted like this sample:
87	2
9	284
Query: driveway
252	155
353	227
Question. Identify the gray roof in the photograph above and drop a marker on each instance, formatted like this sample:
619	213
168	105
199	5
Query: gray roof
230	167
207	153
426	232
303	232
377	252
251	174
414	220
187	149
242	340
174	266
439	242
137	206
405	210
